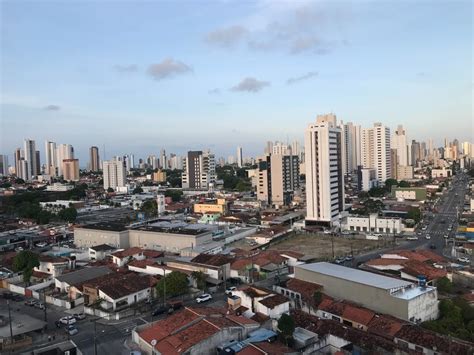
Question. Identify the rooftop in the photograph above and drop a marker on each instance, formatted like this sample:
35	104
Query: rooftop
85	274
212	259
355	275
119	285
127	252
102	247
105	226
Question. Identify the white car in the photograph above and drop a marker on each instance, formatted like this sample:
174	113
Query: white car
204	298
428	236
412	238
41	245
68	320
229	290
463	259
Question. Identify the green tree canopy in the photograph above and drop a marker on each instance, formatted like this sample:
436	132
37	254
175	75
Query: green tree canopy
176	284
200	279
110	190
389	183
286	327
137	190
404	183
414	213
444	285
68	214
174	194
24	262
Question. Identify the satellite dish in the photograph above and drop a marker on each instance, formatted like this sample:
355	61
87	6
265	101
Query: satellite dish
153	342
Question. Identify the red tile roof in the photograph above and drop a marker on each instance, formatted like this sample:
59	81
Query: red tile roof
359	315
213	260
415	268
127	252
273	301
119	285
306	289
151	254
412	255
385	325
385	262
142	264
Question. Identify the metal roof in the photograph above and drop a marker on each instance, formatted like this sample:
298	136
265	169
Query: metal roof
355	275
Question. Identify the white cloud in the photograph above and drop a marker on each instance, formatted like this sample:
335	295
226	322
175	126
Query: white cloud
250	85
226	37
306	76
168	68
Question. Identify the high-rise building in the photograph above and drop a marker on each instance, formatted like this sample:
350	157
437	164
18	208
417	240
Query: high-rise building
64	151
153	162
269	148
38	163
23	169
30	156
3	165
280	148
70	169
17	155
352	146
176	162
199	170
324	173
132	161
400	144
51	164
240	162
277	178
94	158
415	152
114	174
375	151
164	159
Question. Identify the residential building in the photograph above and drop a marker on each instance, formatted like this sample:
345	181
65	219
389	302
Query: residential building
59	187
399	142
279	148
94	161
101	251
324	173
70	169
239	157
68	281
441	172
375	148
373	224
367	178
409	193
64	151
159	176
17	155
199	170
193	331
123	257
217	206
352	141
163	159
29	150
51	164
252	300
3	165
402	299
114	174
52	265
404	172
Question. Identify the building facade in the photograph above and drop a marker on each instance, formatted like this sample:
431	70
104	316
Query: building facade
199	170
70	168
376	152
114	174
94	159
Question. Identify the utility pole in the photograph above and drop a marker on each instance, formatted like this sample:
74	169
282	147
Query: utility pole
164	287
45	314
10	321
332	245
95	336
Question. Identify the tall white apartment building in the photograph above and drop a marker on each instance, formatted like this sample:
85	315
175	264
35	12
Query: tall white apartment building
280	148
51	164
240	161
176	162
400	144
29	151
375	148
3	165
324	171
199	170
114	174
163	159
64	152
352	145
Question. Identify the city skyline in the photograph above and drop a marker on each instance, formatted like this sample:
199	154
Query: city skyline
364	62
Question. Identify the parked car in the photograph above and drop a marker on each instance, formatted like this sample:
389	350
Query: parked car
204	298
463	259
175	304
30	302
39	305
412	237
7	295
79	316
68	320
19	249
428	236
162	310
349	258
340	260
72	330
41	245
229	290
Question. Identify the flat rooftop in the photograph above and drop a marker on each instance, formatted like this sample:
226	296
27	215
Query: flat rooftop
355	275
113	227
413	292
176	227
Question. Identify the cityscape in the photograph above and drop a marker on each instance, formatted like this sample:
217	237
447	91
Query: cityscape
168	214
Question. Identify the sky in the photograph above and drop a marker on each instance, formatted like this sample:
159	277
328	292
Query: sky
138	76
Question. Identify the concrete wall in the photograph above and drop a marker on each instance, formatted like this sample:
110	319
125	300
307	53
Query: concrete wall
84	237
166	241
371	297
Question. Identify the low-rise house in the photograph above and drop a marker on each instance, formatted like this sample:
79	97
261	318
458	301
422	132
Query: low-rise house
118	291
52	265
259	265
123	257
192	331
260	300
101	251
346	313
67	282
302	294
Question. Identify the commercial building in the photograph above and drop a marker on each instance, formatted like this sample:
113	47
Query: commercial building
94	159
373	224
402	299
324	176
400	144
166	236
199	170
29	150
114	174
159	176
441	173
218	206
376	151
70	168
409	193
367	178
3	165
240	162
404	172
352	146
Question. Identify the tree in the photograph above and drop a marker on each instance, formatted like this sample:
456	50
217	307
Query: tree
444	285
68	214
150	208
174	194
389	183
404	183
176	284
110	190
414	213
137	190
286	327
377	191
24	262
200	279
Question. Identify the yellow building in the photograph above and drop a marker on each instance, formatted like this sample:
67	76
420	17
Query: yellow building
159	176
219	206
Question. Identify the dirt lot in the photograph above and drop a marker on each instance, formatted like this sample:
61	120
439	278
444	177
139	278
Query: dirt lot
320	246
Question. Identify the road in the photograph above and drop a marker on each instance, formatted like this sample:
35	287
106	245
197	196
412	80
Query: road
439	224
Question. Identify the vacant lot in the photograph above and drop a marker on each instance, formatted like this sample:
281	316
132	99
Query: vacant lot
320	246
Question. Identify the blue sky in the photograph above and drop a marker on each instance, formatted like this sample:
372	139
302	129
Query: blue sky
141	75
